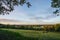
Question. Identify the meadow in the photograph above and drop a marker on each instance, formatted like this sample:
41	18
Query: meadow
19	34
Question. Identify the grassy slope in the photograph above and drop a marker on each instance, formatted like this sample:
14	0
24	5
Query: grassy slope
16	34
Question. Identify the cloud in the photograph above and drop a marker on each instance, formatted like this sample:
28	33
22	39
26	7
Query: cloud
38	13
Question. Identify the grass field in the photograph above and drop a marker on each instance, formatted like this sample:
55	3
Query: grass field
17	34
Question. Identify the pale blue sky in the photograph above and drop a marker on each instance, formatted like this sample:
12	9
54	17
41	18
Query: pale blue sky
39	11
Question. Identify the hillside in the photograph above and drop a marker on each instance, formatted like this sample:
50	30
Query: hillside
17	22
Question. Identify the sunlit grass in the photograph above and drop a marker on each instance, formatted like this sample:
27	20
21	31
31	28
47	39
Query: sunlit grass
30	34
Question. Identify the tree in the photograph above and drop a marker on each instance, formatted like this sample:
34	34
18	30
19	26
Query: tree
7	6
56	4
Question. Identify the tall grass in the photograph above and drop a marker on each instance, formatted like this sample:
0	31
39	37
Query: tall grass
17	34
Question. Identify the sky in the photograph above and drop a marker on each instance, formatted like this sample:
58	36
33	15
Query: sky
40	11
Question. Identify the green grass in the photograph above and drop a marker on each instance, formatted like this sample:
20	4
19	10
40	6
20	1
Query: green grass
17	34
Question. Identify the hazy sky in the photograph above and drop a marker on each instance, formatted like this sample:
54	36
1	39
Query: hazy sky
39	11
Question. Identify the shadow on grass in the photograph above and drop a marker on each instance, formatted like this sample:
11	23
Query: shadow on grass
9	35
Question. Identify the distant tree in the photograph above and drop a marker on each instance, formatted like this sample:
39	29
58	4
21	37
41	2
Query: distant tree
7	6
56	4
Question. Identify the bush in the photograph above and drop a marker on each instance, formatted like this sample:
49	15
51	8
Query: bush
57	27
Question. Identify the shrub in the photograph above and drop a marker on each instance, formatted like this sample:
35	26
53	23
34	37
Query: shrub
57	27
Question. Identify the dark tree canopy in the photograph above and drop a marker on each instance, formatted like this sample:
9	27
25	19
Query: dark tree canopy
56	4
7	6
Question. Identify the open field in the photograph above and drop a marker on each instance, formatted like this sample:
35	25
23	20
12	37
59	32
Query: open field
17	34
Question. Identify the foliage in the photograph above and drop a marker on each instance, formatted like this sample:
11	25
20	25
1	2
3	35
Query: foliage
56	4
57	27
51	28
7	6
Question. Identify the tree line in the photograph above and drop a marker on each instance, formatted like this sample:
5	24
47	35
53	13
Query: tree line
55	27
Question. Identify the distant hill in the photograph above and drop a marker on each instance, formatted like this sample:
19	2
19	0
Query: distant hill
16	22
10	21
